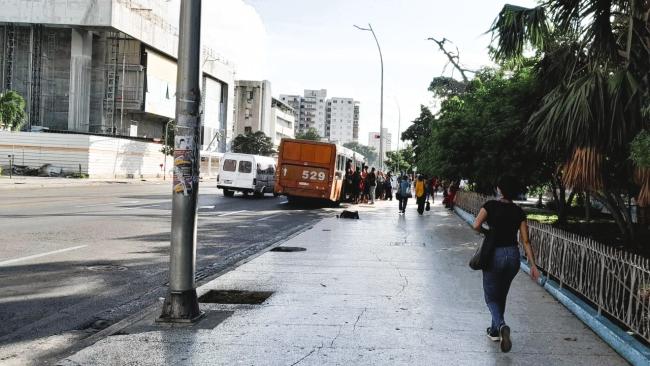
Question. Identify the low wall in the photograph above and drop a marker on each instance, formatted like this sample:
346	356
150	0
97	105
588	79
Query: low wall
98	156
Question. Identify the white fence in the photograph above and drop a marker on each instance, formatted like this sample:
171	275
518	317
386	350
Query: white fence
97	156
616	282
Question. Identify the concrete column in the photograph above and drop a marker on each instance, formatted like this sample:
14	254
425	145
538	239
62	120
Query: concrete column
80	78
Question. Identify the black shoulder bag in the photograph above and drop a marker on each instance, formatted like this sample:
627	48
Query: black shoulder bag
481	259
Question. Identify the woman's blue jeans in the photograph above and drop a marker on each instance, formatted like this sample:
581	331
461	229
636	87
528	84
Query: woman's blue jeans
496	282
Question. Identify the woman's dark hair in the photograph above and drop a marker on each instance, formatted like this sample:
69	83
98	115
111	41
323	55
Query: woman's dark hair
509	187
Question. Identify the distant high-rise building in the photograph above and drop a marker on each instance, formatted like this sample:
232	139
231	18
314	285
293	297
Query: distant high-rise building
335	119
374	138
340	119
309	110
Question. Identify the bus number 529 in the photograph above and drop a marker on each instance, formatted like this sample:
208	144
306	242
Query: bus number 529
313	175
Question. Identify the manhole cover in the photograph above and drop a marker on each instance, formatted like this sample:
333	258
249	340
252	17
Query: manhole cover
288	249
235	297
106	268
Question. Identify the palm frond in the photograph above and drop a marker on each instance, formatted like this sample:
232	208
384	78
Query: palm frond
583	171
517	27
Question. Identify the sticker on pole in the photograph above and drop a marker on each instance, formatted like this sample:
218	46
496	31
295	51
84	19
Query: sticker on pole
184	180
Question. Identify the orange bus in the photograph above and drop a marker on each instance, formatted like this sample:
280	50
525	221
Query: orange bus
312	169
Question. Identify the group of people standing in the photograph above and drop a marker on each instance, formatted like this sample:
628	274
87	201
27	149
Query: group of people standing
364	186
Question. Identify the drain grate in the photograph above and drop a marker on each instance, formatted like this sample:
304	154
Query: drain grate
106	268
288	249
235	297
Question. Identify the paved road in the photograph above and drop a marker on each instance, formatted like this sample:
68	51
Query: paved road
75	260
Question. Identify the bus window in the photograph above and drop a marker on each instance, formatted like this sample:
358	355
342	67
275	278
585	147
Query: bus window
230	165
245	166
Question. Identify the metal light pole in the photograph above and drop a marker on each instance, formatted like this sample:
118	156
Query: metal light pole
399	131
381	108
181	304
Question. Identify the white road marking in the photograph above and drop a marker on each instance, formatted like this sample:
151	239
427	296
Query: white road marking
108	204
205	207
231	213
266	218
4	263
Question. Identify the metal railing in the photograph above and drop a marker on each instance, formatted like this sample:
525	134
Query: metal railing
615	282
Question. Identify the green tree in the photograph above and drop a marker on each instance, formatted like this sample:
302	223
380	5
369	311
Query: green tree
12	111
168	144
479	135
401	160
253	143
595	58
367	151
419	130
310	134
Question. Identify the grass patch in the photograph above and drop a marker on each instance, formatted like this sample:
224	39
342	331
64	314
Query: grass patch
543	218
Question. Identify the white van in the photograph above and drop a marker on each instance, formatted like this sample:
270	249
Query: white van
247	174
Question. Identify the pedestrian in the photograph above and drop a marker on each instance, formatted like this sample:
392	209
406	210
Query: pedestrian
371	182
388	187
356	184
420	193
347	184
433	188
404	190
504	219
364	185
379	190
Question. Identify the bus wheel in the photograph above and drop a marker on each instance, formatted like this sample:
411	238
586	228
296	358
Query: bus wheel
228	193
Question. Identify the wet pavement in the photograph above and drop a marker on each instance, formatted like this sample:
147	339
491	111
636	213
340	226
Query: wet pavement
387	289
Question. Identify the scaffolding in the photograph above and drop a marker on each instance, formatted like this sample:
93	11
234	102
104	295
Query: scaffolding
10	56
37	66
111	80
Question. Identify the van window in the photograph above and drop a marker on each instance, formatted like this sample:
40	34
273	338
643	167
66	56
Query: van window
245	166
230	165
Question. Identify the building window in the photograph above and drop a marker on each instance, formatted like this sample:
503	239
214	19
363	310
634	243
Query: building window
251	95
248	129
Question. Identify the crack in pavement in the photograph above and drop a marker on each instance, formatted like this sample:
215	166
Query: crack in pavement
354	328
336	336
308	354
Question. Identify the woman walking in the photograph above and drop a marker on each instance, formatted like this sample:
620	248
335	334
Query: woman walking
504	219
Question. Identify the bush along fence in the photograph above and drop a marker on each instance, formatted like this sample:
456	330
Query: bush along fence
617	283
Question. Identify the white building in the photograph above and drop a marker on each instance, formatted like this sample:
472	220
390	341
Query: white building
335	119
106	67
283	121
309	110
340	120
253	107
373	140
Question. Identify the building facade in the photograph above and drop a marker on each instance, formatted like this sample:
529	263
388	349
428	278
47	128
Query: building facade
340	120
309	110
335	119
106	67
374	139
253	107
283	122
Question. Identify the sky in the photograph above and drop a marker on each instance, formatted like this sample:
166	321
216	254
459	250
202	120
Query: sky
312	44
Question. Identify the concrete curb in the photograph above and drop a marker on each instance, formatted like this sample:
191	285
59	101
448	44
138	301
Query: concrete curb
627	346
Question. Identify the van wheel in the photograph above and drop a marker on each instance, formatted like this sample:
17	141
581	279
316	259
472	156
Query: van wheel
258	194
228	193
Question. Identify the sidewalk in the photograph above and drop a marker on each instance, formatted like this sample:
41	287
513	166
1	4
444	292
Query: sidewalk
26	182
384	290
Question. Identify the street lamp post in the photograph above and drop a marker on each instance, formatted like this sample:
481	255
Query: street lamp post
381	103
181	304
399	131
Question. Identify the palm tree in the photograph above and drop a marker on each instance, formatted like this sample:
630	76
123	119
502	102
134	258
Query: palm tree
594	66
